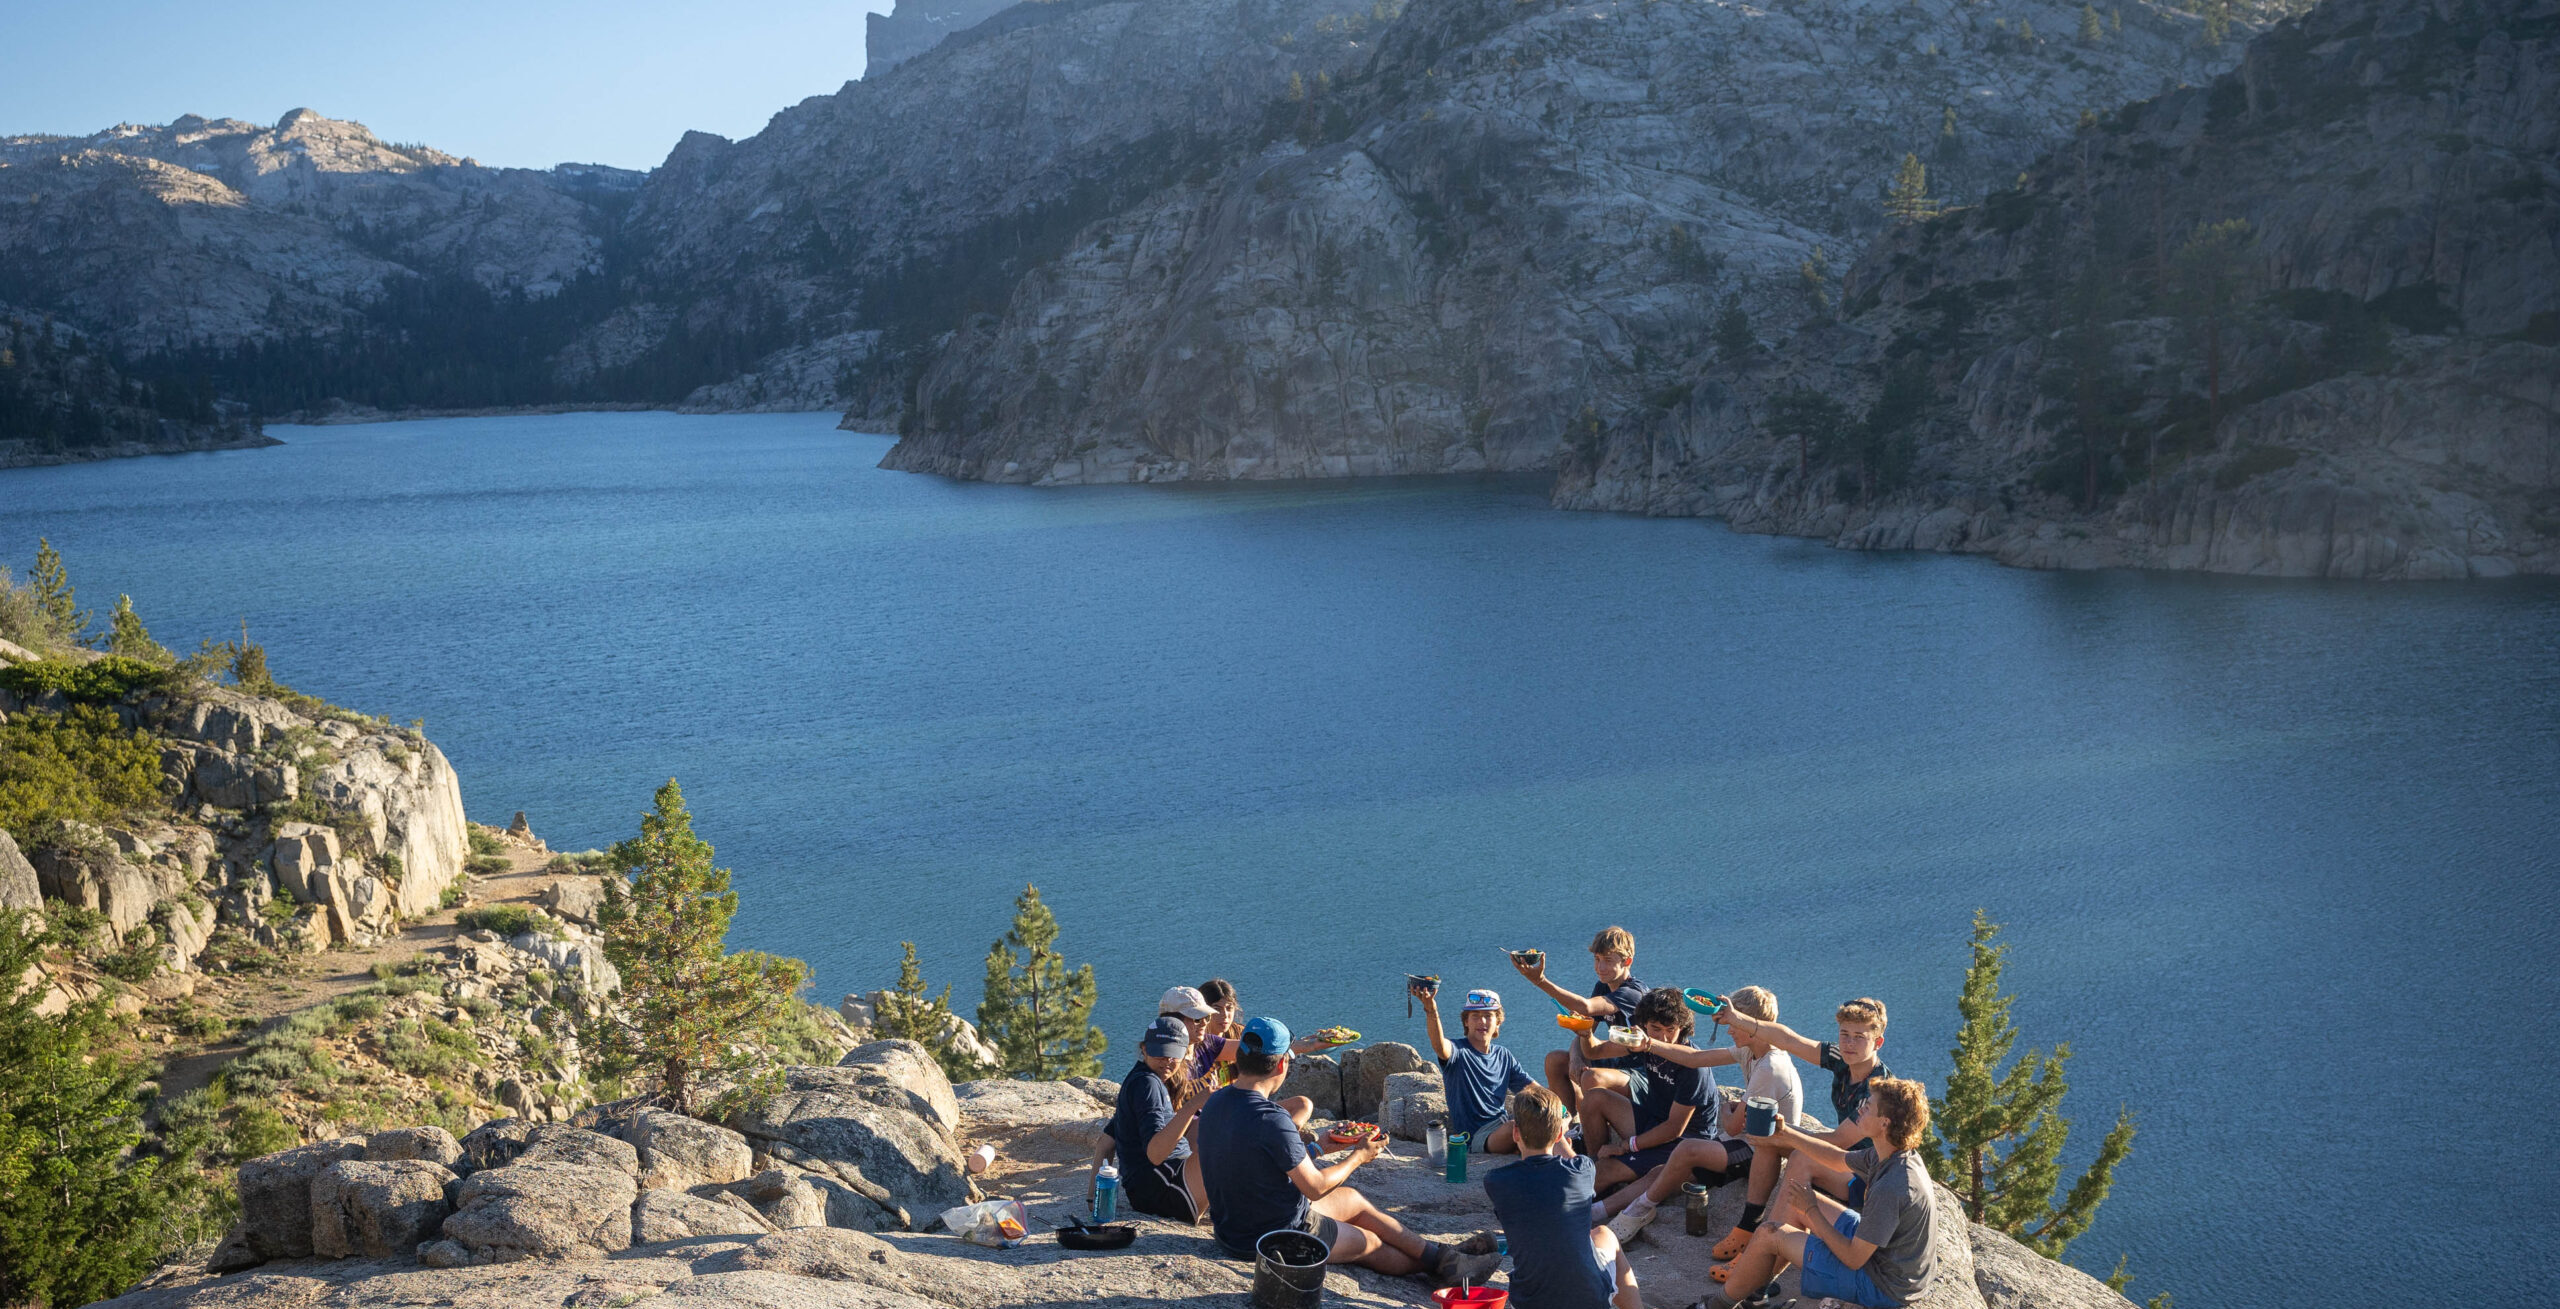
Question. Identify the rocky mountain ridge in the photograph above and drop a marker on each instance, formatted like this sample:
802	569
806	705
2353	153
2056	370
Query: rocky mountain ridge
912	27
2300	322
1508	222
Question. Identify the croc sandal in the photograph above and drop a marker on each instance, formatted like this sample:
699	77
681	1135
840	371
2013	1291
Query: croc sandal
1732	1246
1720	1272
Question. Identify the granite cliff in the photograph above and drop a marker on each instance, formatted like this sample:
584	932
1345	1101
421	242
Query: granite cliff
830	1194
2301	321
912	27
1510	225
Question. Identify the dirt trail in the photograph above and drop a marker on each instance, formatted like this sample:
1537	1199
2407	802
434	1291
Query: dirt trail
264	997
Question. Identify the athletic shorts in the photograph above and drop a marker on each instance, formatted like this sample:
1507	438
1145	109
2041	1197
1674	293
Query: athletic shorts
1737	1164
1476	1138
1825	1275
1157	1191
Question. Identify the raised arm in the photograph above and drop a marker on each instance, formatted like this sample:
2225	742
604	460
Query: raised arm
1440	1048
1589	1006
1160	1147
1778	1034
1817	1147
1687	1056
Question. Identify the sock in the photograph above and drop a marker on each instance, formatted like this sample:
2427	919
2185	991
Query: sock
1751	1217
1643	1205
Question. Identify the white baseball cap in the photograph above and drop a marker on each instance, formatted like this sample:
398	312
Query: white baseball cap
1186	1001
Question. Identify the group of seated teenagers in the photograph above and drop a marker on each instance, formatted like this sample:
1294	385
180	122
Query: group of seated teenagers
1617	1128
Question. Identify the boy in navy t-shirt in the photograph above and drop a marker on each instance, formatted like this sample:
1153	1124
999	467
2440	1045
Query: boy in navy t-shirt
1613	998
1477	1076
1630	1133
1558	1259
1260	1180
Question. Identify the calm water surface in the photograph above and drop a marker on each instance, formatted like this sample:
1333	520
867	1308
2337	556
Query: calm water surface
2276	858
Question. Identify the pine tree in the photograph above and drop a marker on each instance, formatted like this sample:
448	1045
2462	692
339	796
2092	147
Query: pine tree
910	1013
688	1012
2026	32
2217	21
55	605
1950	144
2092	30
2207	276
87	1205
1906	198
1815	420
1996	1140
1733	329
1815	274
1036	1013
128	637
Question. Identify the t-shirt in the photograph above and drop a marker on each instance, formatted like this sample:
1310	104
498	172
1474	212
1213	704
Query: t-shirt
1774	1075
1204	1055
1899	1220
1247	1147
1476	1083
1145	1107
1847	1096
1665	1084
1624	995
1544	1205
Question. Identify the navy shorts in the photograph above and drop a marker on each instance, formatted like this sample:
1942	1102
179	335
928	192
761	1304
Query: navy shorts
1825	1275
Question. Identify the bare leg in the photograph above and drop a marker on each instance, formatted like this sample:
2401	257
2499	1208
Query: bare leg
1604	1245
1368	1237
1198	1190
1560	1076
1772	1248
1604	1111
1617	1203
1766	1160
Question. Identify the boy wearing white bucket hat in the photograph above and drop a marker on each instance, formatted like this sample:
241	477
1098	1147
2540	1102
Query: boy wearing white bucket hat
1476	1075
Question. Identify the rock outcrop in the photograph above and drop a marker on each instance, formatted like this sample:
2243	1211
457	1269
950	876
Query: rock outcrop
528	1233
2302	321
912	27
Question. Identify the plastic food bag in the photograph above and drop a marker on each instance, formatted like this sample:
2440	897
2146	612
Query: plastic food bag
1000	1223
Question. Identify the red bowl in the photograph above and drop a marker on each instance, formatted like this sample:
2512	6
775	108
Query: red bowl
1471	1297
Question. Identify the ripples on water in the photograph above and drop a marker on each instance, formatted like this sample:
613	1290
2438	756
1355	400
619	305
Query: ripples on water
1313	737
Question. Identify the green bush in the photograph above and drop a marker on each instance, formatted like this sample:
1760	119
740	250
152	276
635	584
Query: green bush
80	766
484	864
504	919
100	681
72	927
482	842
256	1130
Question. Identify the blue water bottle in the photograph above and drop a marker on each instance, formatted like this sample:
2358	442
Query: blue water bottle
1106	1194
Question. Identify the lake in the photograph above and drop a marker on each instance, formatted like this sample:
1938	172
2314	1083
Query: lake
2276	858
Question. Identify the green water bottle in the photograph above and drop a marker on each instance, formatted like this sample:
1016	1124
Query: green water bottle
1457	1156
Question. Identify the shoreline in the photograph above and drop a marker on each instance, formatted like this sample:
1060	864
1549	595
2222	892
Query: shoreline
132	450
352	416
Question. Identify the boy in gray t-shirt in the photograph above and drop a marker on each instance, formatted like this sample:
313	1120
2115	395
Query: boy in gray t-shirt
1880	1255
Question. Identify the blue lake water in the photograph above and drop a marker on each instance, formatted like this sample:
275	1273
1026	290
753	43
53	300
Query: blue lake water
2276	858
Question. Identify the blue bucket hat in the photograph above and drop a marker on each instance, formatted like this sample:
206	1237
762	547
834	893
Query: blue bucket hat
1266	1036
1482	999
1166	1037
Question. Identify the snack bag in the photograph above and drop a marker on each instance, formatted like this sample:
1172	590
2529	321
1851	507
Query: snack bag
999	1223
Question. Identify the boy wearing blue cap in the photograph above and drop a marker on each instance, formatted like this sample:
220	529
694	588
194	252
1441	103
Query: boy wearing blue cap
1159	1173
1259	1178
1478	1076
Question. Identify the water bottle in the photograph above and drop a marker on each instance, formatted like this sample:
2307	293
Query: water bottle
1457	1171
1435	1143
1106	1194
1502	1249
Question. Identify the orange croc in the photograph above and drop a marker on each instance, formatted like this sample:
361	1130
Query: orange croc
1720	1272
1731	1247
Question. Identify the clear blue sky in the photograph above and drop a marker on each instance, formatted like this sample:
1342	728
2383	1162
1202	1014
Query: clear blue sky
530	83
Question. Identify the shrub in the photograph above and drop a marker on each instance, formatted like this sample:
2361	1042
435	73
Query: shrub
562	863
484	864
484	842
80	766
100	681
505	920
257	1129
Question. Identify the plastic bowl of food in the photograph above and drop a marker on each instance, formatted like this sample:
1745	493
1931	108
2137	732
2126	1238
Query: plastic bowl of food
1336	1036
1705	1002
1350	1133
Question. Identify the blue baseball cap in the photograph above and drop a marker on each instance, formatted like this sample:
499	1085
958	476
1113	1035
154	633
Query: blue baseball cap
1266	1036
1166	1037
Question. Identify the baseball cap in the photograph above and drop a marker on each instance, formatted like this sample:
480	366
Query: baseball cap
1166	1036
1266	1036
1186	1001
1481	1000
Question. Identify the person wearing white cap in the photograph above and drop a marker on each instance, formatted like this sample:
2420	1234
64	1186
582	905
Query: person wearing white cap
1477	1076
